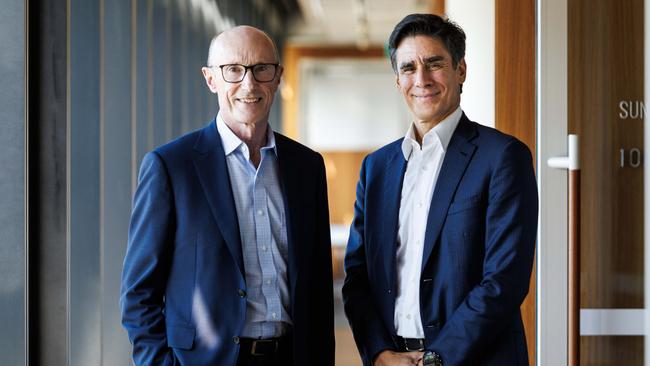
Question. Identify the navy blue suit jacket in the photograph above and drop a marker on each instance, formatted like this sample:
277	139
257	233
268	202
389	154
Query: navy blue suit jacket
478	251
183	285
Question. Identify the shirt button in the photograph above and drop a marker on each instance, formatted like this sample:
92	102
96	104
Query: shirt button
264	248
408	316
241	293
274	315
260	212
235	340
268	282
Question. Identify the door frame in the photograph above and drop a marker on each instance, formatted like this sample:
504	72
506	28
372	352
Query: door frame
646	176
552	129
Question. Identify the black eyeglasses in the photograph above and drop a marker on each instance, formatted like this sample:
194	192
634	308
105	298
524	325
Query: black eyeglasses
234	73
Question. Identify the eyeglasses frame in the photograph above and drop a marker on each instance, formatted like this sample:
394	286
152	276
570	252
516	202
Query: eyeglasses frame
246	68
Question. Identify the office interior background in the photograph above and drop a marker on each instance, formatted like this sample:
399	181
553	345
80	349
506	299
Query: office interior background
89	86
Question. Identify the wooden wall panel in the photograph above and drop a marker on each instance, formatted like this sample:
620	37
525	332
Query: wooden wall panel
515	69
611	351
515	102
342	175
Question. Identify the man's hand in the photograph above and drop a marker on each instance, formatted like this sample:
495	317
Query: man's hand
391	358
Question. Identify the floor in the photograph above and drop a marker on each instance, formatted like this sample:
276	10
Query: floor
346	349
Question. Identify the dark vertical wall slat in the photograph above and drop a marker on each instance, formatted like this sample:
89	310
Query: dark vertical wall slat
184	71
159	67
175	77
47	185
84	218
198	87
12	183
142	79
116	172
169	50
150	75
203	97
211	99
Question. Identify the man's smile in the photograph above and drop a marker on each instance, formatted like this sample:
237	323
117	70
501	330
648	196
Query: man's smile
248	100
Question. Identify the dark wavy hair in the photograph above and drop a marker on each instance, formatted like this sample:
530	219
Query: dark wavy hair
451	35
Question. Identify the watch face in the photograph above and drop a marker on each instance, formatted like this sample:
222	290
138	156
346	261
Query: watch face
431	359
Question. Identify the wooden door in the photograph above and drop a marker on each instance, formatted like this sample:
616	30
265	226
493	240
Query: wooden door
605	91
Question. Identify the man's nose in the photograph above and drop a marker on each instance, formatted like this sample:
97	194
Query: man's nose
249	79
423	77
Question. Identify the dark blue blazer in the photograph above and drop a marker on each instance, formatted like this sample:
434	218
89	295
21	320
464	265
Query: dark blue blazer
183	285
478	253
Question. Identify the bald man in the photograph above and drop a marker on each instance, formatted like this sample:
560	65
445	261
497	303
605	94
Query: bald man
229	258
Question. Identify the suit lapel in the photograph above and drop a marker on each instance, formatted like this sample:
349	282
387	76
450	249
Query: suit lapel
212	169
289	170
389	212
458	155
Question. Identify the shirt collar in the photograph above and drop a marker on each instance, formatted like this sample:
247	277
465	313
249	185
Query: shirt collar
442	132
231	142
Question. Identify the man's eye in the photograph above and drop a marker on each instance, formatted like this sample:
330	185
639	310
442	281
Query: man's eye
407	70
262	67
233	69
434	66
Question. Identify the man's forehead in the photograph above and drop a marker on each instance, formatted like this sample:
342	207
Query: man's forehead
244	45
238	51
243	54
424	48
413	56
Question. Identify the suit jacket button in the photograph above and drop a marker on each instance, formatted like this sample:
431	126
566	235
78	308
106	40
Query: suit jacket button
235	340
390	291
241	293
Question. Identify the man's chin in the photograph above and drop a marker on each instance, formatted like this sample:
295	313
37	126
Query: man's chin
249	118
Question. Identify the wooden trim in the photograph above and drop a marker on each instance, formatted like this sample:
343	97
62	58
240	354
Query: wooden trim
437	7
515	104
290	89
574	268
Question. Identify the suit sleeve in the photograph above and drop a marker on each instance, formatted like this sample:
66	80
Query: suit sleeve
323	290
511	227
369	331
147	263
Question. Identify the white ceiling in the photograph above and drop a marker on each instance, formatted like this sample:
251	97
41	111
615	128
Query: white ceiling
360	22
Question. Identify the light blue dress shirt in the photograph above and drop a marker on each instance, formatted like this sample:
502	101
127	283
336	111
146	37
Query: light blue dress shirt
262	226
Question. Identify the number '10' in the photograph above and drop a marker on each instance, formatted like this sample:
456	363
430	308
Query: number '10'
631	159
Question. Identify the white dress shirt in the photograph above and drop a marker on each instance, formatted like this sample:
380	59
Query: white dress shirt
423	166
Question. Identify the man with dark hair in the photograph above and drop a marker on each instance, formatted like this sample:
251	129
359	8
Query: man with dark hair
229	255
442	243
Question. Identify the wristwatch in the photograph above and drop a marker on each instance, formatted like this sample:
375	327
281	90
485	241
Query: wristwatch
431	358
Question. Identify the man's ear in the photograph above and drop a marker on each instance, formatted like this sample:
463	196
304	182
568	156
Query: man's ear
279	73
462	70
209	79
